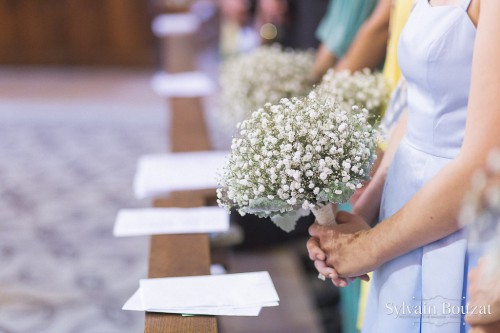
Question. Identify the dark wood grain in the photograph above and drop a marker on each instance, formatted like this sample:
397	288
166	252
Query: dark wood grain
188	130
179	255
76	32
187	199
169	6
161	323
179	53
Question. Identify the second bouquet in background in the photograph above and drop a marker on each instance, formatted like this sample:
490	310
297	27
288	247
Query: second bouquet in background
265	75
364	88
298	155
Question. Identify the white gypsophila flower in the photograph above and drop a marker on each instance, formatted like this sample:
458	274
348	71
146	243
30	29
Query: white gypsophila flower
362	88
322	158
480	211
265	75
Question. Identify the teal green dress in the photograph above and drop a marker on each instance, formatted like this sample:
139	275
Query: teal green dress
341	22
349	298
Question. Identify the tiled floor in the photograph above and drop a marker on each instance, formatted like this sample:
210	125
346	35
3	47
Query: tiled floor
69	140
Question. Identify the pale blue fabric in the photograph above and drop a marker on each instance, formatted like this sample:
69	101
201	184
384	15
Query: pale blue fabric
342	22
435	56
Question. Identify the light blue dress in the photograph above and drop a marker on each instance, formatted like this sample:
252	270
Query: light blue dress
435	56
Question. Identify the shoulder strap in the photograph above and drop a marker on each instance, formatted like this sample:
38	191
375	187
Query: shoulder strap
466	4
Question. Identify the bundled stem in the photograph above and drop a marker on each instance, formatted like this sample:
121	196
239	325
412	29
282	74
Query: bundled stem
325	215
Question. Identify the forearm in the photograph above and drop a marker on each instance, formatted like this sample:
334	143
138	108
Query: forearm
324	60
369	47
429	216
368	203
367	51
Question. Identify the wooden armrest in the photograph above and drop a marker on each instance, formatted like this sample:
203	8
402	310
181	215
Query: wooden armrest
188	129
188	199
179	255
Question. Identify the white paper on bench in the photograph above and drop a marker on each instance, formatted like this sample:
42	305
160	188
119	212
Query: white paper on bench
162	174
174	24
155	221
135	303
185	84
230	290
230	294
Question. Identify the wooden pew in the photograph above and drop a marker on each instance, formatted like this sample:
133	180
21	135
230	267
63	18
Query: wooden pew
179	53
179	255
188	131
170	6
182	255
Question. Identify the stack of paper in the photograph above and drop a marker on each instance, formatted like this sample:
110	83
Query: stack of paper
186	84
161	174
173	24
241	294
155	221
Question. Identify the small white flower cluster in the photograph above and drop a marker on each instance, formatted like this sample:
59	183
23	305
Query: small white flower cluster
300	153
481	209
265	75
363	88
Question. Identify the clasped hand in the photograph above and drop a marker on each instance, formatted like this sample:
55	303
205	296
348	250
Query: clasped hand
344	251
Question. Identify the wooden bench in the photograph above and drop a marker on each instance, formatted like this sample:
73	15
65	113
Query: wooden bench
179	255
182	255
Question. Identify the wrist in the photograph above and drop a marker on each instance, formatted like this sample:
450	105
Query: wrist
374	248
380	249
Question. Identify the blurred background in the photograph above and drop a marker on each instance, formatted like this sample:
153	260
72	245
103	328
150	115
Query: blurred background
77	109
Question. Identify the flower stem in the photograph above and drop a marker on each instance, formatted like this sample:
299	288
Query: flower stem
325	215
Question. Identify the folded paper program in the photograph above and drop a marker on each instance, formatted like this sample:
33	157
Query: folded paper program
242	294
155	221
186	84
162	174
174	24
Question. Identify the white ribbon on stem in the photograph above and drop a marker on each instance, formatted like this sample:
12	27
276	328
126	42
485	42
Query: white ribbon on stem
325	216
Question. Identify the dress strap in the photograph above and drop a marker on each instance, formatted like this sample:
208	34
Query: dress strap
466	4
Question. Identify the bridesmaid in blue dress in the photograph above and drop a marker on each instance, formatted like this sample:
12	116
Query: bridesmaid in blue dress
418	251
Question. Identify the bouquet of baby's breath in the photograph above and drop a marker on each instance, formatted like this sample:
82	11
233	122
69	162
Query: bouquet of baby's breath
363	88
298	155
481	211
266	75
